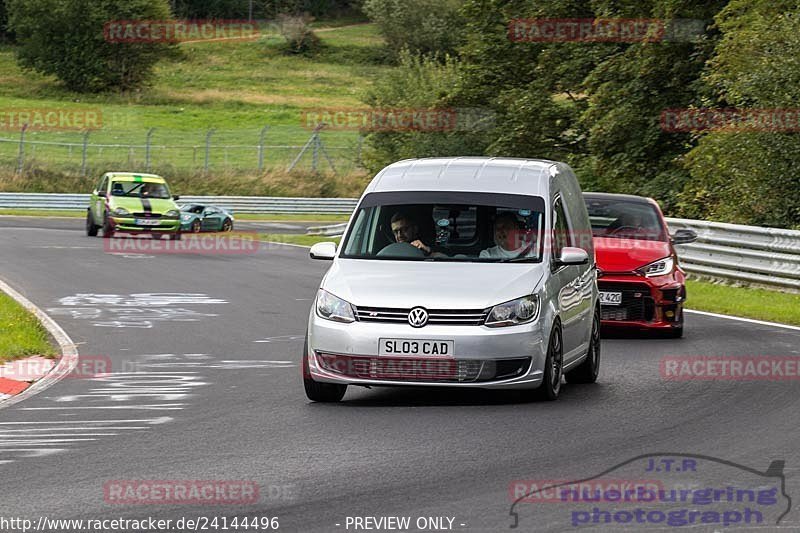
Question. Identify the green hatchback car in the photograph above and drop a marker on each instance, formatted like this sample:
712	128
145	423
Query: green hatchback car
135	204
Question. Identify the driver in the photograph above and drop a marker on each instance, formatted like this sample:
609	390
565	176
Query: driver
507	237
405	230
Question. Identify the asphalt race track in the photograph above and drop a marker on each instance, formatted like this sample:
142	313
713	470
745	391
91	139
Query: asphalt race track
205	384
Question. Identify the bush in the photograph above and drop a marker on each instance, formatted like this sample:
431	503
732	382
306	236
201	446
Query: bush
5	35
65	38
424	83
300	38
422	26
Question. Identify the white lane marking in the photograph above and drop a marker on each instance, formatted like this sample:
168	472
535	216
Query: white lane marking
144	299
281	338
4	431
4	436
132	256
151	421
69	353
34	452
152	407
750	320
43	442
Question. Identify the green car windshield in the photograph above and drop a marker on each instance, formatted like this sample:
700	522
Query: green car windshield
134	189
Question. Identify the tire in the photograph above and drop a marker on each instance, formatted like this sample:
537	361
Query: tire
227	225
175	236
108	229
195	226
91	227
553	365
587	371
320	392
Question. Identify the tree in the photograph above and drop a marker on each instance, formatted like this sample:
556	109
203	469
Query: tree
65	38
751	177
421	26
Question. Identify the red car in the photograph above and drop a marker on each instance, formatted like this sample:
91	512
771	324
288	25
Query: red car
641	284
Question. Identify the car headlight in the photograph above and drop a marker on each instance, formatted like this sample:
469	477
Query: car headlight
186	217
120	212
658	268
332	307
519	311
172	213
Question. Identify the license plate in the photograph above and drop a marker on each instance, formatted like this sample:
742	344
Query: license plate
147	222
610	298
418	348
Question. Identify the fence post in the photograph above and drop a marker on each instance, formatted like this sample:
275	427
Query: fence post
208	148
85	148
315	153
261	148
359	150
21	156
147	149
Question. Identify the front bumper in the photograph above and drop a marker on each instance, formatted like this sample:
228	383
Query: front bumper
484	357
647	303
129	225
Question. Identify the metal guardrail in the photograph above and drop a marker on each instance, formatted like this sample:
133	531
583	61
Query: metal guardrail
769	256
238	204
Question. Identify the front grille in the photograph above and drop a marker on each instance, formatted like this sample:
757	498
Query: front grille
147	215
637	304
419	370
446	317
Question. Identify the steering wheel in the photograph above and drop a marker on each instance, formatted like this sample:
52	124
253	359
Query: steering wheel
633	229
401	249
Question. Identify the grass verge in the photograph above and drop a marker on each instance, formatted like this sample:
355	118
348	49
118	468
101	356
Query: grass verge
760	304
302	240
21	334
289	217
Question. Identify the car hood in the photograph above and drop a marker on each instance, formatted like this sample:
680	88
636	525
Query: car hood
625	255
135	205
430	284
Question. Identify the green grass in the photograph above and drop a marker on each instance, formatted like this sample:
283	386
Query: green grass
302	240
760	304
236	88
291	217
21	334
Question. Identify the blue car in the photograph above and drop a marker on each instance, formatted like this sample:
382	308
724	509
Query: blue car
196	218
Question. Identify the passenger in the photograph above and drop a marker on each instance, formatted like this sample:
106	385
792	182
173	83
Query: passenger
507	237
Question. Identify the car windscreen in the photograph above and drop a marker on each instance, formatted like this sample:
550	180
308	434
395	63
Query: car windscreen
447	226
140	189
625	219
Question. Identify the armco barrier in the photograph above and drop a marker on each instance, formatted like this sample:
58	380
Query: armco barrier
238	204
769	256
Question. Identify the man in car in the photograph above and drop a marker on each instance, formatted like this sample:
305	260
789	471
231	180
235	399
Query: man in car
509	239
405	230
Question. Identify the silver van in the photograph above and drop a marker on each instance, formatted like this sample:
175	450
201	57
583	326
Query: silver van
459	272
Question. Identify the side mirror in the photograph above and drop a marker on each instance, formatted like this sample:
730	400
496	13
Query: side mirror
323	250
176	197
102	194
573	256
683	236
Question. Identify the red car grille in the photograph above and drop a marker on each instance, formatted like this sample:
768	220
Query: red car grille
637	304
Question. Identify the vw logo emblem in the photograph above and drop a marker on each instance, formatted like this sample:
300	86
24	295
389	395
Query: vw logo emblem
417	317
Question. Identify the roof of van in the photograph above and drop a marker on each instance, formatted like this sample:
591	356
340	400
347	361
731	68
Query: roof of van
468	174
135	176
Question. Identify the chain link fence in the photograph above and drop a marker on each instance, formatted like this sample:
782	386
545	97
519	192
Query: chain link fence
154	150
